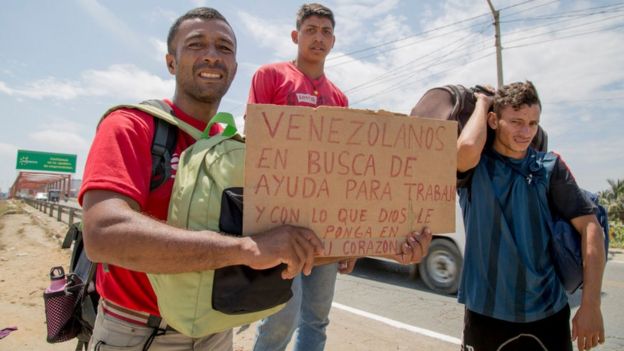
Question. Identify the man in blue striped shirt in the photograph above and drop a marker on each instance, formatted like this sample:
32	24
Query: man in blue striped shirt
513	297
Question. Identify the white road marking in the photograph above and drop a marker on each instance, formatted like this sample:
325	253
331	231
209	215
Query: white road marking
398	324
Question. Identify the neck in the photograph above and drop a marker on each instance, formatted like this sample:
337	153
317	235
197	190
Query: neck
312	70
199	110
507	151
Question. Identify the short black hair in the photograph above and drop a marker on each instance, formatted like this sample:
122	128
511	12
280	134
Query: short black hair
206	13
515	95
314	9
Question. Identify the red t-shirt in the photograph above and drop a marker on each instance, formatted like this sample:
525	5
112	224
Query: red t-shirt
120	160
284	84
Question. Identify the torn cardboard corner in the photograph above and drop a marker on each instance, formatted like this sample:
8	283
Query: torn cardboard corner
362	180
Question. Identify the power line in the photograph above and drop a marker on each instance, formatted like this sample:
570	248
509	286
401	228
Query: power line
401	85
403	74
569	12
566	17
395	72
436	61
405	38
425	32
561	38
514	40
347	58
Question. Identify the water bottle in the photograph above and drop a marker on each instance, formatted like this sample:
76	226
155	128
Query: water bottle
57	281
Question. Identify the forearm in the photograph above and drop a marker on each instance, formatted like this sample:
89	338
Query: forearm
594	259
115	233
473	137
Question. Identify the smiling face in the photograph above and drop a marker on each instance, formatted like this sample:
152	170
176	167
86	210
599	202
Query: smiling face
514	129
315	39
203	61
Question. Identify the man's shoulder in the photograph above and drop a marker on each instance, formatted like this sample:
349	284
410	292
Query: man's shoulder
126	117
275	67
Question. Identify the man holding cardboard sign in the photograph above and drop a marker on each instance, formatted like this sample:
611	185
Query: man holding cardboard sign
302	82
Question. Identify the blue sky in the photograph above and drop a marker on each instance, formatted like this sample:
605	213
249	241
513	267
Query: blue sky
63	63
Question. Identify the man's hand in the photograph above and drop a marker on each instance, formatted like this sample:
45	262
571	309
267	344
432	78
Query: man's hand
587	327
414	248
485	99
346	266
294	246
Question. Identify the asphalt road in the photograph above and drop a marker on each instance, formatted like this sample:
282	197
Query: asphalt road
390	292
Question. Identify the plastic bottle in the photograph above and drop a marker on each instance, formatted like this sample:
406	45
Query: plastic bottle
57	280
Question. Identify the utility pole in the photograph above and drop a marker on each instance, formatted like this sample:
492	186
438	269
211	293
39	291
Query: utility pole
499	55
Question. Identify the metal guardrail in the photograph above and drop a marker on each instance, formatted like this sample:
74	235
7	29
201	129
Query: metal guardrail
66	214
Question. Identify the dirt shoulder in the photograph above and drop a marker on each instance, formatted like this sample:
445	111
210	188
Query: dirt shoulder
30	245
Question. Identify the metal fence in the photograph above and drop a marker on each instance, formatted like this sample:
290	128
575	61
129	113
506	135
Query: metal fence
63	213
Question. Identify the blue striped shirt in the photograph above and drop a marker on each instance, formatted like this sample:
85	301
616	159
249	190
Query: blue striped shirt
508	273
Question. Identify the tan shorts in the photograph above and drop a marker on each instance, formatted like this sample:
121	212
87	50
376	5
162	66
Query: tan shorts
113	334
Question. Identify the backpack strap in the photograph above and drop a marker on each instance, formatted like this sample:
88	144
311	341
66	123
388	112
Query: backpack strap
163	145
149	108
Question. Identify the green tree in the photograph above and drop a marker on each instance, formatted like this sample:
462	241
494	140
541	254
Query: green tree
613	200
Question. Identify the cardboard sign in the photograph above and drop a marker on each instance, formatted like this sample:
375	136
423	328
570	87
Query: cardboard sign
361	180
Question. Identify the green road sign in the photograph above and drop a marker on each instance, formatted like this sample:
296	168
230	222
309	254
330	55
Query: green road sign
45	161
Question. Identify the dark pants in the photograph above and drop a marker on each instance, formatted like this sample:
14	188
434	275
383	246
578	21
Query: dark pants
482	333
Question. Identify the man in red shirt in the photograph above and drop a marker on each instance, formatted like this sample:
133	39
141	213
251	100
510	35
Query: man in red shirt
123	218
302	82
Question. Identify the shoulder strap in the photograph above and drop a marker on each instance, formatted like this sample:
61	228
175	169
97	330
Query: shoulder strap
163	144
150	108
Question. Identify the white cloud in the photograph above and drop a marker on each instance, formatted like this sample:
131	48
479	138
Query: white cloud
5	89
8	155
160	14
127	81
160	47
109	21
8	150
60	140
120	81
270	34
199	3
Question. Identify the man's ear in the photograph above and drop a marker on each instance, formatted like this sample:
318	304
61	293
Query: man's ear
171	64
294	35
492	120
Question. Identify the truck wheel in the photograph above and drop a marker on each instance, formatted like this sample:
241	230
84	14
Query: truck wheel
441	268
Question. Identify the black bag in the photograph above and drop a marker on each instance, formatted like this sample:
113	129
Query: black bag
242	289
566	246
456	103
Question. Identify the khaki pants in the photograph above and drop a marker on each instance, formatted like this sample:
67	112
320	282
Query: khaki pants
113	334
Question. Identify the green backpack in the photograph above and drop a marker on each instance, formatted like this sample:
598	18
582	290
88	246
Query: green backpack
207	194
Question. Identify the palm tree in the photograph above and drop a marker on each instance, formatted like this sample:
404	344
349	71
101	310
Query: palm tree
613	199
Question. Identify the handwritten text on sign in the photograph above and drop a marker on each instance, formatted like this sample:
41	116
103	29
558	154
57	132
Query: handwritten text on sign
361	180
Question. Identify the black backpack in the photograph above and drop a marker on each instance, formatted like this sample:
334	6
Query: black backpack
78	317
456	103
